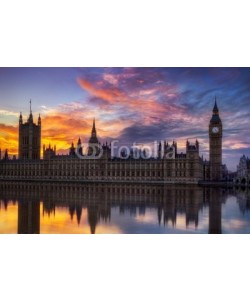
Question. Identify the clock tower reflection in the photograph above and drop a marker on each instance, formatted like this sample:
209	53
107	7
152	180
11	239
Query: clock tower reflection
215	211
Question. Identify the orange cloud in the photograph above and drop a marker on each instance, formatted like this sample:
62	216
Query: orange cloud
9	138
109	95
61	129
143	102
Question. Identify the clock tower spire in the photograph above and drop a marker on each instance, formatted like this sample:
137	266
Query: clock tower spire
215	144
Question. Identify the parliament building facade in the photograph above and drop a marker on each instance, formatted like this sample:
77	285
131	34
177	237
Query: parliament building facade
186	168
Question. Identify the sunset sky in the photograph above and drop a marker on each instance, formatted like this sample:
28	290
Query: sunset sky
129	104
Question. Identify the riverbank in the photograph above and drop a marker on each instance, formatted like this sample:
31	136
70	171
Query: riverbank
224	184
98	181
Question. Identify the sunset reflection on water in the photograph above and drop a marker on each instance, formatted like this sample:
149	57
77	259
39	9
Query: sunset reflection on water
103	208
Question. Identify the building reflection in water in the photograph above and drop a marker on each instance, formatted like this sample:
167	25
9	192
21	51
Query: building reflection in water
214	211
243	198
96	214
28	217
98	199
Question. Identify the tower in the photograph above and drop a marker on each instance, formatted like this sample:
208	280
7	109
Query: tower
72	150
215	144
94	145
29	137
79	147
49	152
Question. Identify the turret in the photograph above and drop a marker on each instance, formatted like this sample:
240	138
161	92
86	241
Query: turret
39	120
48	152
6	155
79	146
175	146
72	150
20	119
192	150
165	147
197	145
106	151
30	119
160	150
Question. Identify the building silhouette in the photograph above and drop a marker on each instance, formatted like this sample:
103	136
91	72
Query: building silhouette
243	171
215	145
29	138
98	164
49	152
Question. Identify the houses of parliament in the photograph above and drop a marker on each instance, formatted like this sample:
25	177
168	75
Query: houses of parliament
168	166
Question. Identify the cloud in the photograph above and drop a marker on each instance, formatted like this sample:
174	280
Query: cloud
4	112
9	138
109	95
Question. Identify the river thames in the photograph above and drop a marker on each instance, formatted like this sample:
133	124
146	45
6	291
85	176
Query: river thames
122	208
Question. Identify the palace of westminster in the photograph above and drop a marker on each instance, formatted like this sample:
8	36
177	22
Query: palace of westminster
186	168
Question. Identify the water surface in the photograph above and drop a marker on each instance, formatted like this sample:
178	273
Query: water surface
120	208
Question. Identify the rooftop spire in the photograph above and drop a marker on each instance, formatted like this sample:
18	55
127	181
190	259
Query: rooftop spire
39	120
20	118
215	110
93	129
30	116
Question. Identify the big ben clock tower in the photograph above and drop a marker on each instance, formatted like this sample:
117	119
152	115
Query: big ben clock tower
215	145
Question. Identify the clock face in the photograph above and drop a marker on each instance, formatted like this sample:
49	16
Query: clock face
215	129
